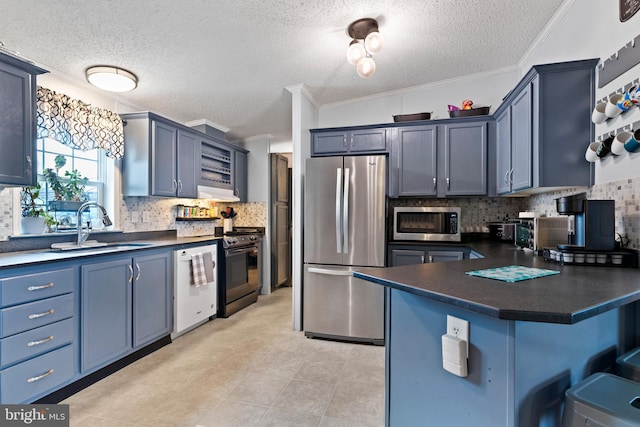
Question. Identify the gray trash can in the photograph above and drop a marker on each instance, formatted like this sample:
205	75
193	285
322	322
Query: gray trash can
629	365
602	400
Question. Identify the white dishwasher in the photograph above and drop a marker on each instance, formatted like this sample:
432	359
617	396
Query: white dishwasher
192	306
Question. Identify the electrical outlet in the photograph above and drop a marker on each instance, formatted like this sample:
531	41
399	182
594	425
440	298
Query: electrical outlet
135	216
145	216
458	328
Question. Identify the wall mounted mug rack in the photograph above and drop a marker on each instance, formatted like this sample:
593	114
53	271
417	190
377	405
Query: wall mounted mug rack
620	62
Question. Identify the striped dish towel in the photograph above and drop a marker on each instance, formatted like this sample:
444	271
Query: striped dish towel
198	270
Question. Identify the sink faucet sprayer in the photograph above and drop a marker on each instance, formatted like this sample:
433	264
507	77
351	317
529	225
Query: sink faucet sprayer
82	236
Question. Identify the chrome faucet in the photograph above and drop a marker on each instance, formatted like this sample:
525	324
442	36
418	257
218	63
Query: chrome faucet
82	236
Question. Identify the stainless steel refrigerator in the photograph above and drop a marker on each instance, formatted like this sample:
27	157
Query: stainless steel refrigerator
344	231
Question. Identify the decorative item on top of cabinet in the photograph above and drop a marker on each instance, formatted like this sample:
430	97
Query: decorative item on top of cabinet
537	136
17	120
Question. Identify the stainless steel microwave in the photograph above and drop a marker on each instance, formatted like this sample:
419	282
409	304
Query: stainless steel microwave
426	224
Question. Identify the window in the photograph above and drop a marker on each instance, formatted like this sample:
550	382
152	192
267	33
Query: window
89	164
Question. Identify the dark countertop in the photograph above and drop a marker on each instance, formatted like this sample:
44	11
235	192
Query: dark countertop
577	293
39	256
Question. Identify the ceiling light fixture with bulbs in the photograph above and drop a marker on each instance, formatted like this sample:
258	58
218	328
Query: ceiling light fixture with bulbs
112	79
365	40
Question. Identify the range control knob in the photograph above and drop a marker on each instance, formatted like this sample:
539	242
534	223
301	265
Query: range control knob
253	238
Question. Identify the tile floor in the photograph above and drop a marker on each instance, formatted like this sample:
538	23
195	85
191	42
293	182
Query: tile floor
248	370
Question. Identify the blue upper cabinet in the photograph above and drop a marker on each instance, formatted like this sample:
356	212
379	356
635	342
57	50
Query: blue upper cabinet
543	128
332	142
17	121
162	158
447	159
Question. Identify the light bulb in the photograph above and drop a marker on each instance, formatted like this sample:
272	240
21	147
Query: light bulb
366	67
355	52
374	42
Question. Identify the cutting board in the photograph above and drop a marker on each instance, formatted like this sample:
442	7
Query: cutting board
512	273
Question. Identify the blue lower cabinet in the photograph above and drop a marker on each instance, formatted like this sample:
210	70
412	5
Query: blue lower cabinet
37	341
152	298
32	315
126	303
105	312
37	377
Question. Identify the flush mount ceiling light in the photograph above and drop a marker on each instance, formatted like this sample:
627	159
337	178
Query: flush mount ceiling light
365	40
113	79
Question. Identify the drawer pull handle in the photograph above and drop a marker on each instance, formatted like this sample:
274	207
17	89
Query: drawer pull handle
46	313
32	343
39	377
37	288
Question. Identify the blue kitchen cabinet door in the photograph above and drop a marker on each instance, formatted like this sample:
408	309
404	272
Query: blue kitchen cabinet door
465	159
503	152
416	161
521	141
152	298
163	158
164	176
240	175
188	163
407	257
105	311
349	141
17	121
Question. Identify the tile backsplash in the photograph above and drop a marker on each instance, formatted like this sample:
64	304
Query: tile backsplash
476	212
161	215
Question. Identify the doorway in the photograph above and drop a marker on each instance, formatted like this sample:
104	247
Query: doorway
280	220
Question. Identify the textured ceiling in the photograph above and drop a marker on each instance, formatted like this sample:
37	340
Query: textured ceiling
230	61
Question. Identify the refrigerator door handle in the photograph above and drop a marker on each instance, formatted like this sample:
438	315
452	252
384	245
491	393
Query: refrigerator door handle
338	192
345	213
330	272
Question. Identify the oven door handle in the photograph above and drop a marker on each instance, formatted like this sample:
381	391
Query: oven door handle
239	250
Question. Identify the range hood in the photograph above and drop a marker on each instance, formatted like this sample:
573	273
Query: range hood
217	194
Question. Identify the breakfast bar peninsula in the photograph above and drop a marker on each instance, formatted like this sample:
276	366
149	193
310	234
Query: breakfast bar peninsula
528	341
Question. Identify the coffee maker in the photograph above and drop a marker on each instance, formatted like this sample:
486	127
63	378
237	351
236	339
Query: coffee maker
593	224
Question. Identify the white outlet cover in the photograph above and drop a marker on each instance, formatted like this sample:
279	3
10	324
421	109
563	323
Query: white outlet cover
135	216
145	216
458	328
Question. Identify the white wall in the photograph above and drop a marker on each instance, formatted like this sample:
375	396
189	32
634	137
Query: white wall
304	117
259	185
591	29
485	89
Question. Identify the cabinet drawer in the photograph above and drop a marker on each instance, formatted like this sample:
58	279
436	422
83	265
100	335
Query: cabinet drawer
35	314
37	376
30	287
35	342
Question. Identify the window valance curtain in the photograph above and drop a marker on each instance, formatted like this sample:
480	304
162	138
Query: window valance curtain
77	124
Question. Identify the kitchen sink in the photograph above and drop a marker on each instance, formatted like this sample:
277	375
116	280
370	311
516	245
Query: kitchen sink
95	246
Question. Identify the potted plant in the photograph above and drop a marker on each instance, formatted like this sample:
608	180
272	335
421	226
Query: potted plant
33	215
69	188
